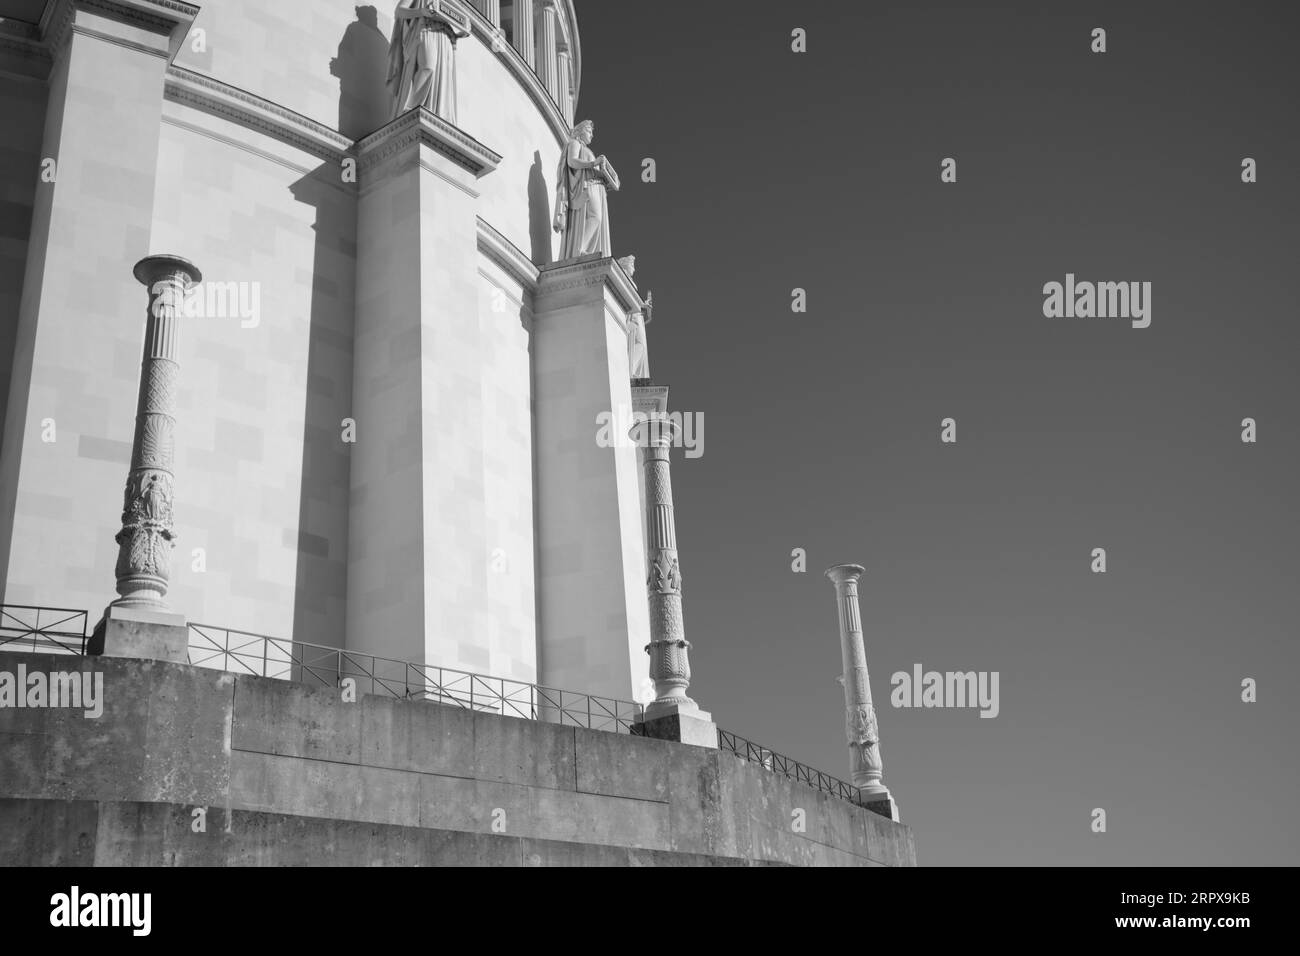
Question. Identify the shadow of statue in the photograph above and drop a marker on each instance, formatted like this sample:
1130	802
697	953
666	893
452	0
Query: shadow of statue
539	213
361	66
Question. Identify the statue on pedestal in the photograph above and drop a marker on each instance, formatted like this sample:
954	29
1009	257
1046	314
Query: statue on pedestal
422	56
581	207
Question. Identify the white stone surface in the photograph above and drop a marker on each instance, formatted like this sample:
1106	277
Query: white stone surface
592	613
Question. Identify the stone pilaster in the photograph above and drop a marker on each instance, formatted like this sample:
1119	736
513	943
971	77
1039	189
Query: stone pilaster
592	614
549	46
420	584
525	32
860	714
564	64
140	623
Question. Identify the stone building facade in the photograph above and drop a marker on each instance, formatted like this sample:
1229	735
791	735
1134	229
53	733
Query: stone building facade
386	416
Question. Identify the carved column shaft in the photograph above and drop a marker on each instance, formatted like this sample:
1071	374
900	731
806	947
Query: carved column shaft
491	9
860	715
145	541
670	666
524	32
548	61
565	96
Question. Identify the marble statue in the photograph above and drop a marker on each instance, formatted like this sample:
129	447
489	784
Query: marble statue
638	357
422	56
581	207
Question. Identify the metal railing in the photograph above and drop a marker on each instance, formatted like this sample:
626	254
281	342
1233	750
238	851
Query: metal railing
787	767
316	665
48	630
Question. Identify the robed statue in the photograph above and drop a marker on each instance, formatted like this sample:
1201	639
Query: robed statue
581	206
422	56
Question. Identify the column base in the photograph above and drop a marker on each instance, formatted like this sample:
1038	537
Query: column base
880	803
683	724
141	632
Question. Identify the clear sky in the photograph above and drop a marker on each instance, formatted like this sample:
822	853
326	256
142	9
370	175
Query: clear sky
925	301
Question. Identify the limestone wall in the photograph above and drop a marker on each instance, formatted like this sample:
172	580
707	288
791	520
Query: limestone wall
262	475
295	776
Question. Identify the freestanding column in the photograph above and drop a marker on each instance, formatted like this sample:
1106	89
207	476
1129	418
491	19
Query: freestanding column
145	541
547	63
524	32
860	714
492	10
670	666
140	623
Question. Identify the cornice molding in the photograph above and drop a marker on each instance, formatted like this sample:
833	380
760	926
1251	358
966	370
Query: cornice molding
162	17
421	126
594	270
209	95
509	257
22	54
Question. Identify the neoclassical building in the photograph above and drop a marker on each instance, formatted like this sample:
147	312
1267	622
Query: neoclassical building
385	421
313	326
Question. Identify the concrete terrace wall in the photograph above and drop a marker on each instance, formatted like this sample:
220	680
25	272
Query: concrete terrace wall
295	776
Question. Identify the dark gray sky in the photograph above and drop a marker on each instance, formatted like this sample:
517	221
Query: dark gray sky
821	171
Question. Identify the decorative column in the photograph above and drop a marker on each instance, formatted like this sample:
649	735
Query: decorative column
860	714
140	623
524	34
565	69
672	713
548	61
491	9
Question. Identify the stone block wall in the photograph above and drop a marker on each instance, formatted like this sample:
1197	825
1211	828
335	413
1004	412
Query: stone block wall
292	776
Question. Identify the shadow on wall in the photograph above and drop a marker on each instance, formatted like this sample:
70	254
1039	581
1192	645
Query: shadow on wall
539	213
322	540
362	70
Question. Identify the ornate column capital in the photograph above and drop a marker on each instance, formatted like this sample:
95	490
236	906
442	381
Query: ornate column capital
152	269
655	431
844	574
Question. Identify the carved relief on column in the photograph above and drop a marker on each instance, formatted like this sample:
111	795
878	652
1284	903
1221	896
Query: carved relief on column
670	666
146	539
